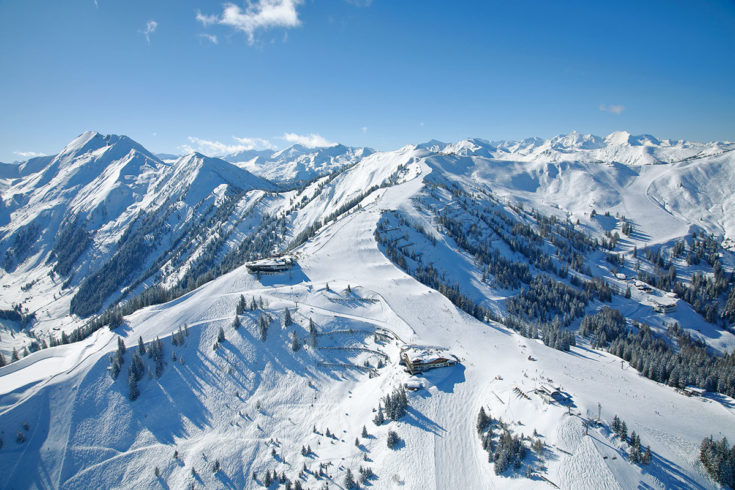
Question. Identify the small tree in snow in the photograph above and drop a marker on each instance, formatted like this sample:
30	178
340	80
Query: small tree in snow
393	439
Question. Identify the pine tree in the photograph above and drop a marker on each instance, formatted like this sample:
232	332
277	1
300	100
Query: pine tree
482	420
287	320
263	327
141	347
312	333
364	432
379	417
647	455
132	385
120	345
14	355
349	481
616	425
393	439
236	323
2	360
138	367
295	342
241	306
221	335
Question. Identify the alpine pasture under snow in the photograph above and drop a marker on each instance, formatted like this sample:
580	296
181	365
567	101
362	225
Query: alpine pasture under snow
148	355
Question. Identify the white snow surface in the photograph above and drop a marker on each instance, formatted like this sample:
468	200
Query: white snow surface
237	403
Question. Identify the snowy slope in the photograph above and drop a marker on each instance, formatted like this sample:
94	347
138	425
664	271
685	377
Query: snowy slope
239	402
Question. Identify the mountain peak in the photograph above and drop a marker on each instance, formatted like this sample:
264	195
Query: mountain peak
618	138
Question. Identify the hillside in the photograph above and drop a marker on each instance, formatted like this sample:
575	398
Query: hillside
503	254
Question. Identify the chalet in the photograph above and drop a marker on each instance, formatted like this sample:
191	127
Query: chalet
271	265
422	358
664	307
694	391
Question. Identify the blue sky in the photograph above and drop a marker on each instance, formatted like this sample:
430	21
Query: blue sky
383	73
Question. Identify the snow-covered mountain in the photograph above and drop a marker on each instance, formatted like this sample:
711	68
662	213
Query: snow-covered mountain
513	257
298	163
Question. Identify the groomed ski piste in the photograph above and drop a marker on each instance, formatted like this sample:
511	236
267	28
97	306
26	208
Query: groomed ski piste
251	405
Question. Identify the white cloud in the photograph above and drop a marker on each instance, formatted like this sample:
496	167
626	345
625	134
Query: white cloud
210	37
206	20
217	148
28	154
150	28
307	140
615	109
364	129
255	143
360	3
257	15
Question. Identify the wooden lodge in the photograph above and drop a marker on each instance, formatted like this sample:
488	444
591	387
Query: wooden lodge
418	359
271	265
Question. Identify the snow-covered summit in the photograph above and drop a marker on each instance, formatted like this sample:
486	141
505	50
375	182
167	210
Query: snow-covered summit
298	163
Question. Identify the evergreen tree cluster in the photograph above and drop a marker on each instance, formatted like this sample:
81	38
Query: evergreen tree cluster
504	449
704	290
241	307
510	451
117	359
177	337
490	219
604	326
70	244
637	453
703	247
656	357
24	243
366	474
155	352
392	440
395	404
264	321
718	459
546	299
691	364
